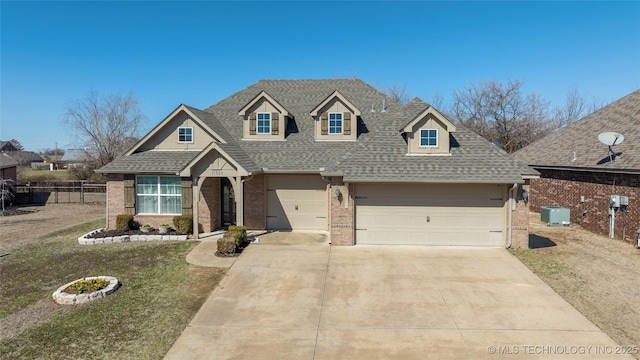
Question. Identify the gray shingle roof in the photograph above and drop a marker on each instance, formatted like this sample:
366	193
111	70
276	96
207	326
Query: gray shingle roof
7	162
153	162
577	145
379	154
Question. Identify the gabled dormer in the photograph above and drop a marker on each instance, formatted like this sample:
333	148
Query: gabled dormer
427	133
263	118
335	119
183	129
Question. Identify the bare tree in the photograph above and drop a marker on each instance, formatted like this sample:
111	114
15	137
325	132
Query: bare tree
398	93
105	124
16	144
574	108
7	191
502	113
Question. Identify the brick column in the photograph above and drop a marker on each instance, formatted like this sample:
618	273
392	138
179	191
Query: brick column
342	213
255	197
520	219
209	205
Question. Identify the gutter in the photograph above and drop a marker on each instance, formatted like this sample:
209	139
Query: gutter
582	169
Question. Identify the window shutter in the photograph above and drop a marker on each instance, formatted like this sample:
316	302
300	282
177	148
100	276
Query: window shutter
347	123
187	196
324	123
274	123
129	194
252	123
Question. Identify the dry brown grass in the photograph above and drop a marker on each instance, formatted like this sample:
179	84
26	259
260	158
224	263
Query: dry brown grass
598	276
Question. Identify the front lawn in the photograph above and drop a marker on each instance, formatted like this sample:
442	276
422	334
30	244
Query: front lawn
160	293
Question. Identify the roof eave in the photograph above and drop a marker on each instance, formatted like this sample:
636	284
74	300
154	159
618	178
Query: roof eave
587	169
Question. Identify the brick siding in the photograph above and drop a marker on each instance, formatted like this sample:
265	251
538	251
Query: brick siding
520	219
342	218
564	188
115	200
209	208
255	217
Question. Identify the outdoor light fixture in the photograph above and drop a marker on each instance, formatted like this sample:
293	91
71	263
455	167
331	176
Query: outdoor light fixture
525	195
338	193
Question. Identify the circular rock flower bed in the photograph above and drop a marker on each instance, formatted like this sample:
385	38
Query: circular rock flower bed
86	289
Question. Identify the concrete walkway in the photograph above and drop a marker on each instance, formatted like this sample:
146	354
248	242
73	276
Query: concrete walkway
312	301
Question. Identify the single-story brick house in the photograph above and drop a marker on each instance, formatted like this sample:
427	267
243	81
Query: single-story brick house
329	155
581	173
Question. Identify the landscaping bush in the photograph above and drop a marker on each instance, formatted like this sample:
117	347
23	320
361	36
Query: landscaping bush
124	222
240	233
227	244
183	224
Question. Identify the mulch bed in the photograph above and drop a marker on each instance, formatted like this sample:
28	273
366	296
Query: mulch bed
111	233
11	212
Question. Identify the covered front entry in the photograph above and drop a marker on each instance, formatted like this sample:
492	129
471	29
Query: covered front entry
430	214
296	202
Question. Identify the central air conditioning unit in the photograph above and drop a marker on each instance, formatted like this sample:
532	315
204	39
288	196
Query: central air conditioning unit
555	215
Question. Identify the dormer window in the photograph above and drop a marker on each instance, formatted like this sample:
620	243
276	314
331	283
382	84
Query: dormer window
335	123
336	119
185	134
427	132
428	137
262	118
264	123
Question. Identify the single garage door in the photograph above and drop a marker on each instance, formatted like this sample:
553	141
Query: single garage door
296	202
438	214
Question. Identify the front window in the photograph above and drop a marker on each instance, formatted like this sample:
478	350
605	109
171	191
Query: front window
158	195
335	123
185	134
428	137
264	123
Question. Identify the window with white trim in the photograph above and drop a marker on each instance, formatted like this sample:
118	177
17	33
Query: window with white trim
158	195
185	134
335	123
264	123
428	137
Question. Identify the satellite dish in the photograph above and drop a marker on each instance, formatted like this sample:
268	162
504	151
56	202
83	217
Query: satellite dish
611	138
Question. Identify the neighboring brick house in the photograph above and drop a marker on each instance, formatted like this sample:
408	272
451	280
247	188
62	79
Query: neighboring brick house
579	172
328	155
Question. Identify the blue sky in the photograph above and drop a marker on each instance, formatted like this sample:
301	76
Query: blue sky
198	53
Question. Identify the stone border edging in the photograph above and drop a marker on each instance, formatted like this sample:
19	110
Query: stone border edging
84	240
64	298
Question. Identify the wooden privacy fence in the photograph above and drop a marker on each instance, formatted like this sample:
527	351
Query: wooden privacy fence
61	192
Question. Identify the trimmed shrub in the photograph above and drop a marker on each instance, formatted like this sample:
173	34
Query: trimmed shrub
227	245
240	233
124	222
183	224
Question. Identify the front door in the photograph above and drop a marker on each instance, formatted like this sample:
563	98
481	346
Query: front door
228	203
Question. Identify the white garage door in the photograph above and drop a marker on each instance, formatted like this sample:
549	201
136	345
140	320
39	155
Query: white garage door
419	214
296	202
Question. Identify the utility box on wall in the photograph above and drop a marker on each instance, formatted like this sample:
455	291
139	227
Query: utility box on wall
555	215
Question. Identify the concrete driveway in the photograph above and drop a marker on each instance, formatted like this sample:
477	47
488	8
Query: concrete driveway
307	300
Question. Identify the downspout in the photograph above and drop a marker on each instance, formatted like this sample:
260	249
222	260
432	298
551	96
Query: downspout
512	197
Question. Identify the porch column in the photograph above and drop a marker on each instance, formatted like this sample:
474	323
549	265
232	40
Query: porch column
238	190
196	199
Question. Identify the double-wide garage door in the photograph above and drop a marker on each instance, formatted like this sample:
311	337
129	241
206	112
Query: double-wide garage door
438	214
296	202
